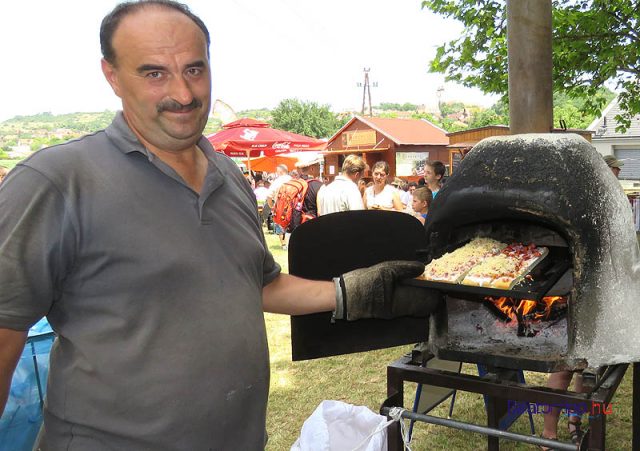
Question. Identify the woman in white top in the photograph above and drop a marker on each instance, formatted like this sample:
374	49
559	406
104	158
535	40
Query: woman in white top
382	196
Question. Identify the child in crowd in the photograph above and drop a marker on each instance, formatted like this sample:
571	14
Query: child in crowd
421	202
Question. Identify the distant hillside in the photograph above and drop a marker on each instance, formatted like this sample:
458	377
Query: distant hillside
23	134
85	122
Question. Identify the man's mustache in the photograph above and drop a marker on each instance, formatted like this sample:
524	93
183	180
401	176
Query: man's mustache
176	107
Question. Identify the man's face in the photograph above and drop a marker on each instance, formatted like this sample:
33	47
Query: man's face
163	77
616	171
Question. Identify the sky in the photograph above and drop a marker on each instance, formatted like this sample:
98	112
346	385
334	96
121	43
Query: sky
262	52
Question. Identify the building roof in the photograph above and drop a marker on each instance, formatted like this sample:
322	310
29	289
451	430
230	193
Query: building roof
402	131
605	126
485	127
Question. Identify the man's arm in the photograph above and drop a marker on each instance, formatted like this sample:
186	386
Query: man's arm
371	292
11	346
293	295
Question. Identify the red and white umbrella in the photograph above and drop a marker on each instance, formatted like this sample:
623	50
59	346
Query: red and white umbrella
251	138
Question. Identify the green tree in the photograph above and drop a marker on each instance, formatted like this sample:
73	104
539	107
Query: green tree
449	125
305	118
491	116
565	108
594	41
451	107
398	107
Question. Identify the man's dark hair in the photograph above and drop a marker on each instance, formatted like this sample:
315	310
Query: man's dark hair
112	20
438	167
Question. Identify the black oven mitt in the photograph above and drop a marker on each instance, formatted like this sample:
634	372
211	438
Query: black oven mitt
373	292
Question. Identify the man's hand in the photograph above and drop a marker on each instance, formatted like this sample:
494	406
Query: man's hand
374	292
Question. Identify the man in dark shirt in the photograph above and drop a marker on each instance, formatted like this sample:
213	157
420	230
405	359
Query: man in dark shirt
143	248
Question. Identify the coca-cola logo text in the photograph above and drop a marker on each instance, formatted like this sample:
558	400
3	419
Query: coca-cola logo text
281	145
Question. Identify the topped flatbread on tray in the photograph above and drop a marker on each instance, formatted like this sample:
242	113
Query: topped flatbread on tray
508	268
453	266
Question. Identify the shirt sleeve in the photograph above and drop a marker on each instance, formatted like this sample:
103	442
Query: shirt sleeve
271	268
36	242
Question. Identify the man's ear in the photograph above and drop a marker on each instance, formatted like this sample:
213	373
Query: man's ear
111	75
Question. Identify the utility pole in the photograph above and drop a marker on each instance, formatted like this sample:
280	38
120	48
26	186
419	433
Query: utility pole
366	90
439	93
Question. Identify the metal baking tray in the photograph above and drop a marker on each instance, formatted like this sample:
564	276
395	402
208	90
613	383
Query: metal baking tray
545	275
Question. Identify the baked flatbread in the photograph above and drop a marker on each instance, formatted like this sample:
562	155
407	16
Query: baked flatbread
452	267
507	269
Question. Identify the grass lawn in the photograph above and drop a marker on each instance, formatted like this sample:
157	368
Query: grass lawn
9	164
298	387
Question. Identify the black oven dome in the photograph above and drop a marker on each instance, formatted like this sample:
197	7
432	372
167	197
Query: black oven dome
561	182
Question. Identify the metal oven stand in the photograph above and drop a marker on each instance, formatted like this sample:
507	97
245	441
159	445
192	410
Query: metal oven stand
498	393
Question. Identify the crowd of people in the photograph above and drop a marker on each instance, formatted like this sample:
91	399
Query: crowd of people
347	191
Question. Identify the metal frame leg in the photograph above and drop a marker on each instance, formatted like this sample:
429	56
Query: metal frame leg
395	396
636	406
597	433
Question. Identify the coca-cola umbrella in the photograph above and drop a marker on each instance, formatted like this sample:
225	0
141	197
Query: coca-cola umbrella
251	138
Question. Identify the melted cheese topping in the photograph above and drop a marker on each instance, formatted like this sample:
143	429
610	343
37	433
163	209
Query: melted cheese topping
463	258
496	266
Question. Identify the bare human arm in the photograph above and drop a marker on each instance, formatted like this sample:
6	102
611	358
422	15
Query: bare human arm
397	203
320	200
293	295
11	346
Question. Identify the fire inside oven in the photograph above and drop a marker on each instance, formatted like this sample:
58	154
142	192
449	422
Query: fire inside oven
528	316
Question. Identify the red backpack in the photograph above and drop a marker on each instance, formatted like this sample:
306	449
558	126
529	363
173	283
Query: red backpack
289	198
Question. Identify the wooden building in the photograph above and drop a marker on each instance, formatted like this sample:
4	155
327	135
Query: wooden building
405	144
463	141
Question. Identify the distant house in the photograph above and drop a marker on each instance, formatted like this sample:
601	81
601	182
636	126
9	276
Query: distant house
405	144
20	151
625	146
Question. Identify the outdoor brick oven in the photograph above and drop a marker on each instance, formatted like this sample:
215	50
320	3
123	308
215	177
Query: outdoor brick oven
556	191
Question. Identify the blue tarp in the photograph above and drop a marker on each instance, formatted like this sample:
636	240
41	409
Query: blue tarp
22	417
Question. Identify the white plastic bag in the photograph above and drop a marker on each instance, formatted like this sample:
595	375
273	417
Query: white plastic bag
337	426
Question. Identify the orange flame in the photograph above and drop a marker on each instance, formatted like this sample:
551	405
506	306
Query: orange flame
520	307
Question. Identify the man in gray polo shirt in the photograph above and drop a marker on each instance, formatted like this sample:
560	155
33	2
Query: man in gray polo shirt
143	248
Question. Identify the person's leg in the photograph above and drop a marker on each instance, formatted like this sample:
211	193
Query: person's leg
575	418
280	232
560	381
